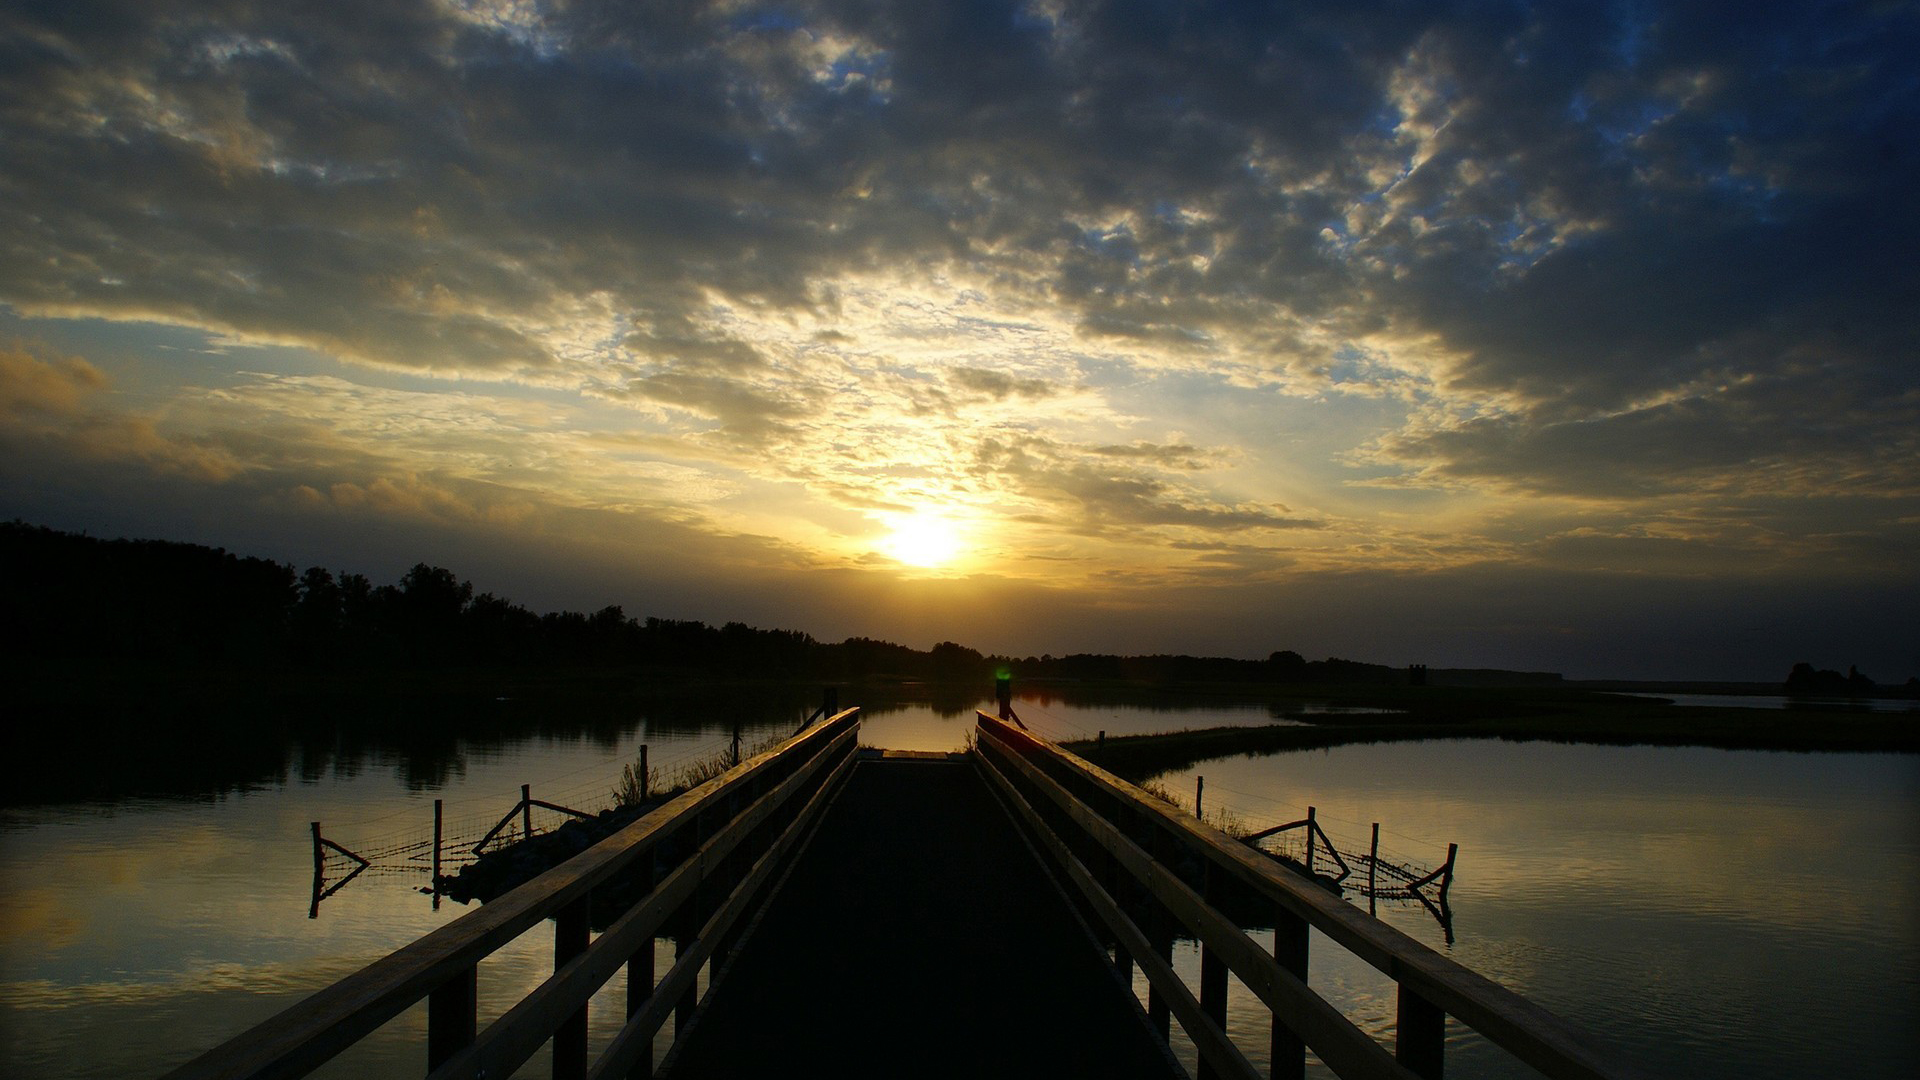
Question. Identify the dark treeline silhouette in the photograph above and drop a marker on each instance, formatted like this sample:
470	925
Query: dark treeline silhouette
162	603
1807	681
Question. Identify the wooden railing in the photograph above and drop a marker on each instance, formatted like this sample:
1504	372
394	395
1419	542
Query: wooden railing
1147	872
708	855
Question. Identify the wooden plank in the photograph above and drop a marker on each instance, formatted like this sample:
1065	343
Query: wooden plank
622	1055
1208	1037
301	1038
1345	1048
516	1036
1536	1036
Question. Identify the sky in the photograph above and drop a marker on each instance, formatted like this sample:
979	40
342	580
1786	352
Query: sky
1576	337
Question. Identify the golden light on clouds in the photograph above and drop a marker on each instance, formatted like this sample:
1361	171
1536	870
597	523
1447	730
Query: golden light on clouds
786	304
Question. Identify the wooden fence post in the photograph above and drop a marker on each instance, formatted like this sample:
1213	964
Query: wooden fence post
1310	824
643	772
526	811
1199	790
439	817
1373	861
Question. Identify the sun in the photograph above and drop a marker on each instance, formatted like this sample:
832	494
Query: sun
924	540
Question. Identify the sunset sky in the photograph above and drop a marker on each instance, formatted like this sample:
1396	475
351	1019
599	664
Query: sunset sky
1565	336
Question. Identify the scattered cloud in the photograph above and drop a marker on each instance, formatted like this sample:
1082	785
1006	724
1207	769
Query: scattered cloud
1169	293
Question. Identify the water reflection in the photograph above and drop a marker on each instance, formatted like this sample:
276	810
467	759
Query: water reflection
1718	913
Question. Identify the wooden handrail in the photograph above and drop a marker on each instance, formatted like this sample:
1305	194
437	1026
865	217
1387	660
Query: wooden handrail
1531	1033
1344	1047
305	1036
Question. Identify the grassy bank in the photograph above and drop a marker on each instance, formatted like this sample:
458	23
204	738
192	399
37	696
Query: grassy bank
1574	719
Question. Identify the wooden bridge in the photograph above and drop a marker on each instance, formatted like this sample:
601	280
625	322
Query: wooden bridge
872	913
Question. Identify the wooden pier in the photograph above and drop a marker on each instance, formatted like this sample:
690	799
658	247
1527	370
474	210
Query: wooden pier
861	913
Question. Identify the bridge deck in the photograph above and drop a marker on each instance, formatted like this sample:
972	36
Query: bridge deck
918	936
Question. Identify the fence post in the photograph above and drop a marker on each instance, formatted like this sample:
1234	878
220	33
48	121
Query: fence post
643	772
319	873
1100	743
439	817
1446	879
1310	825
736	742
1199	790
1373	861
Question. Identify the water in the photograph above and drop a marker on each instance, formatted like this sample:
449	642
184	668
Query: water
1710	913
1781	701
1716	913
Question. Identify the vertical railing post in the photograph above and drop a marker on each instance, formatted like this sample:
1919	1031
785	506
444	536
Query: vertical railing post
1420	1035
1213	972
452	1017
572	930
640	973
526	811
1289	1056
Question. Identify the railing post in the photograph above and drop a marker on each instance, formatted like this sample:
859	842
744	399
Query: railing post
572	931
1420	1035
439	818
1289	1055
1213	972
526	811
640	972
452	1017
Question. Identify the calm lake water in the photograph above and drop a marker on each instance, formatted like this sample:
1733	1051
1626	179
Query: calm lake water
1715	913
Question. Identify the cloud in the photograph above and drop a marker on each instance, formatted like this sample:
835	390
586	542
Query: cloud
1338	283
33	385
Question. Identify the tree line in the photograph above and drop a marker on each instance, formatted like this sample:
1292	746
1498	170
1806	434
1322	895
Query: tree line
74	597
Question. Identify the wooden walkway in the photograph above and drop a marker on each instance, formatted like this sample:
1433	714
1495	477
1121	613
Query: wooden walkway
870	914
919	936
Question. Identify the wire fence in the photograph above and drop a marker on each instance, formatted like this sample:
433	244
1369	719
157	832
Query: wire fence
420	840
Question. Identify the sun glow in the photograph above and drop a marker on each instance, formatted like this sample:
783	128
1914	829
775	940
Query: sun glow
924	540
